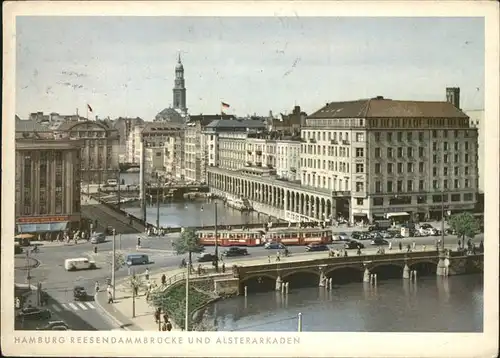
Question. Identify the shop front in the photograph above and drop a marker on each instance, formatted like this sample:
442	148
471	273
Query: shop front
47	227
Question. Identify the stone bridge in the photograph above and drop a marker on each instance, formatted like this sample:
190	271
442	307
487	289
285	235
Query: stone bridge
358	268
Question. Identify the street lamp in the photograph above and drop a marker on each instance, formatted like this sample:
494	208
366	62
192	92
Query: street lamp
442	220
113	264
216	238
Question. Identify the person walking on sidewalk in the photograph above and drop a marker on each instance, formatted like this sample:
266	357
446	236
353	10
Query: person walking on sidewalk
110	297
400	246
146	274
96	287
390	246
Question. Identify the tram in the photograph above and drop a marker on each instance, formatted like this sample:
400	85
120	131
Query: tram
300	236
234	237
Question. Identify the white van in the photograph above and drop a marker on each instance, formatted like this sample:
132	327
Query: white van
82	263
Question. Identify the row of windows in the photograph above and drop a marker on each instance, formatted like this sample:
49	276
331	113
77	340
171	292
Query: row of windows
379	201
410	168
410	185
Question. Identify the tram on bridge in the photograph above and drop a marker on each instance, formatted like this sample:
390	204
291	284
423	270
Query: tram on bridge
253	237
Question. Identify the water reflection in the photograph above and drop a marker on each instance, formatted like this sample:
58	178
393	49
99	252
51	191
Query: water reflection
428	305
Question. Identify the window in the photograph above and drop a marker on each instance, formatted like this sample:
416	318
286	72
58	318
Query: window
389	186
466	159
467	183
438	199
389	137
455	197
466	145
457	184
360	186
456	171
409	185
457	146
360	152
399	186
445	145
400	136
434	134
27	184
378	201
421	136
455	158
421	199
359	201
445	171
434	171
445	184
420	151
435	184
434	158
360	137
360	168
468	196
389	152
409	136
421	185
409	152
445	134
421	167
445	158
377	136
378	187
377	168
59	183
400	167
389	168
400	152
377	152
409	167
434	146
466	170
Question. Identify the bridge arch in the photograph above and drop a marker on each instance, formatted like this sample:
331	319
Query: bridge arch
345	274
424	267
302	278
387	270
258	283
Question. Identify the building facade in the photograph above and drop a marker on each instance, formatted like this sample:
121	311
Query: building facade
477	121
125	126
288	159
392	159
99	154
48	171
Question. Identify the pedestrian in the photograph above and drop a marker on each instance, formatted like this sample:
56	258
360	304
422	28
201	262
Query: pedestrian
169	326
147	274
165	317
223	267
96	287
408	248
164	326
269	258
423	248
414	245
110	297
390	246
156	315
345	253
400	246
163	279
277	256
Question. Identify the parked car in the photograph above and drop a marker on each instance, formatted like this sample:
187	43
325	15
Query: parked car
353	245
34	314
379	242
97	238
79	293
53	324
316	247
235	251
206	257
274	246
356	234
341	236
426	226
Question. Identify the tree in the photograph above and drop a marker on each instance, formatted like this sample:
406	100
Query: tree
119	260
188	242
465	225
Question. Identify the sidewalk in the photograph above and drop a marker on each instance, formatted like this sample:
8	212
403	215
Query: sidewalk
121	309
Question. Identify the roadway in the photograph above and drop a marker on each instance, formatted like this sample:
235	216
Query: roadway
59	283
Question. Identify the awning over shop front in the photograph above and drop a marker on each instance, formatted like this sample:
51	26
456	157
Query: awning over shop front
402	213
45	227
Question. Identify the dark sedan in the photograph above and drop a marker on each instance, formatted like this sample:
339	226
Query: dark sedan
79	293
354	245
235	251
379	242
316	247
274	246
206	257
34	314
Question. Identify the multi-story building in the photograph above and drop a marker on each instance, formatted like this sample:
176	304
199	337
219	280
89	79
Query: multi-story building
125	126
99	154
288	158
393	159
153	159
48	174
172	159
289	122
195	153
476	119
234	134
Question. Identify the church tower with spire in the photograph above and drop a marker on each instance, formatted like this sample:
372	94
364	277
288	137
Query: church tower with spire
179	90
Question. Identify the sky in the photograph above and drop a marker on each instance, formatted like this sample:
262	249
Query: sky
125	65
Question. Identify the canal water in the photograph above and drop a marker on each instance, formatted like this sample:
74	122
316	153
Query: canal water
433	304
190	213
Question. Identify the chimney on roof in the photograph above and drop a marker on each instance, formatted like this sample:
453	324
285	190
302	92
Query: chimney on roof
453	96
379	97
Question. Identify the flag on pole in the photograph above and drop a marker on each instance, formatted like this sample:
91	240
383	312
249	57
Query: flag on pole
90	108
224	105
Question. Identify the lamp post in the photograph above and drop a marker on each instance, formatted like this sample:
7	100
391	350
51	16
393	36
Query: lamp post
216	239
113	263
158	206
186	318
119	189
442	220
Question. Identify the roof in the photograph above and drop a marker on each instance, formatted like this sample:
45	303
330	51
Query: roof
68	125
160	126
169	115
237	123
27	125
205	119
387	108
